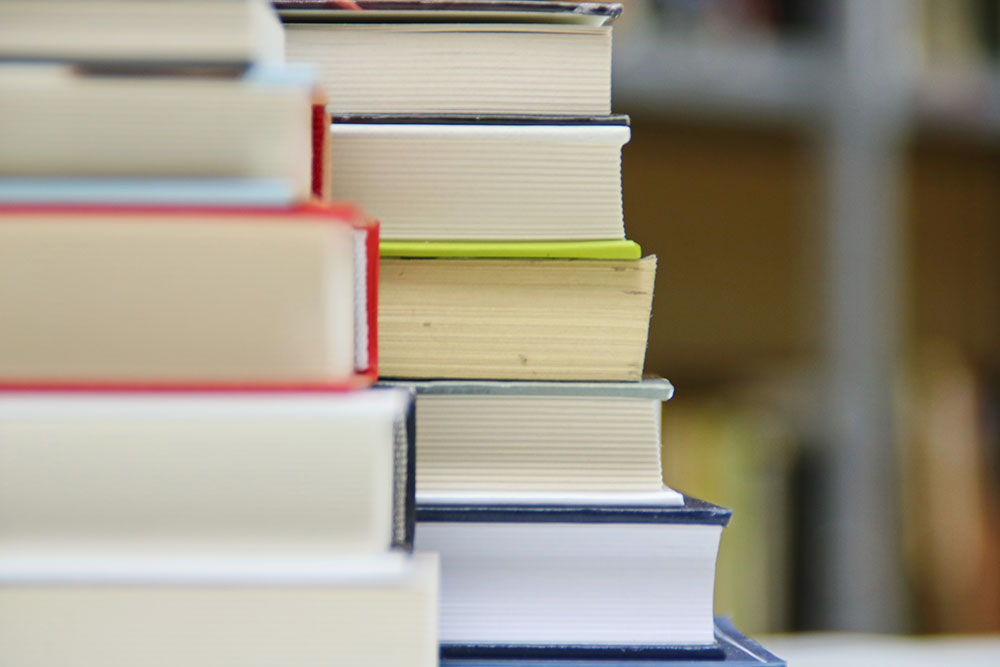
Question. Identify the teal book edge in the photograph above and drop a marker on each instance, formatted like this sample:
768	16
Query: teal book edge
147	191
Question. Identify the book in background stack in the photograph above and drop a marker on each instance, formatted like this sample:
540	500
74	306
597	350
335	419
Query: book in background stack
193	466
480	134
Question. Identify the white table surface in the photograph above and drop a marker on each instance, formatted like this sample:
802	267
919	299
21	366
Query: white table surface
869	650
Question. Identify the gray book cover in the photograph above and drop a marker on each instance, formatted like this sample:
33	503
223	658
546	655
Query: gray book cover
653	388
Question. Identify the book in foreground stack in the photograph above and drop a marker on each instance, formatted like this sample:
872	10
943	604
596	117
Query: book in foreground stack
187	296
154	473
568	581
205	614
207	35
74	135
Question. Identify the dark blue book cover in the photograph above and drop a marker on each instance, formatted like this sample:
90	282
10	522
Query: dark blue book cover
735	650
692	511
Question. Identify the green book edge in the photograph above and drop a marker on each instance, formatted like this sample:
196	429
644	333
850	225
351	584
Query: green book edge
617	249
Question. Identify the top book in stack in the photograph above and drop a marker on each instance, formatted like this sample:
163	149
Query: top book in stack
447	57
228	35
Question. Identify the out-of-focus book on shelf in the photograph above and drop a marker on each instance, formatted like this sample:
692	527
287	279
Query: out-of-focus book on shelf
951	491
739	456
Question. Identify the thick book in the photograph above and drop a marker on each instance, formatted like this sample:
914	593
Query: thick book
216	475
188	298
531	442
62	124
565	581
399	57
737	649
252	612
468	180
514	319
225	35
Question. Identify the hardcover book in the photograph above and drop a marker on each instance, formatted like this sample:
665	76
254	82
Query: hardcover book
529	442
59	126
181	298
252	612
564	581
153	474
226	35
465	179
399	57
517	319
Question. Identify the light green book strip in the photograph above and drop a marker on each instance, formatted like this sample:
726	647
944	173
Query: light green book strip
619	249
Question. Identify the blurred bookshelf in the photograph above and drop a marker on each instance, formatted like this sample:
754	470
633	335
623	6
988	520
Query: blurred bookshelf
819	181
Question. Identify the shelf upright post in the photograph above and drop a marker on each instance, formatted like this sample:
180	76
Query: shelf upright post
860	582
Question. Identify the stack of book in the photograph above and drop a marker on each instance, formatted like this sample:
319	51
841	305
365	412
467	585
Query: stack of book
194	469
481	136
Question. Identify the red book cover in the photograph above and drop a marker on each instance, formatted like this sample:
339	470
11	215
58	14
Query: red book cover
322	184
28	270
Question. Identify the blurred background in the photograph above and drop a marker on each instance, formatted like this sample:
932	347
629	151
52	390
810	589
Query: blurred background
820	183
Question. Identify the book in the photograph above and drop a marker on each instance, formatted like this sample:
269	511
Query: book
58	123
518	319
252	612
529	442
180	297
227	35
214	474
322	150
737	651
453	11
563	581
400	58
511	179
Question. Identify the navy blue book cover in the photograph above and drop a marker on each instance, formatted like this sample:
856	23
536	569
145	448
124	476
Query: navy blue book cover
735	650
692	511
